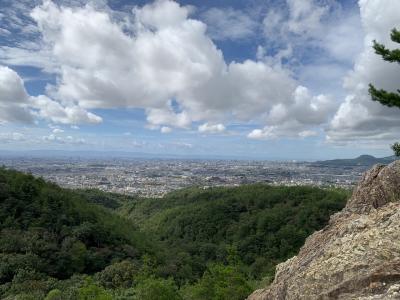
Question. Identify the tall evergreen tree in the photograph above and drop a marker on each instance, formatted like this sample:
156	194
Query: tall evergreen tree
384	97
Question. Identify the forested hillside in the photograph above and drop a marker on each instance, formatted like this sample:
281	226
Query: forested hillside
192	244
50	234
260	224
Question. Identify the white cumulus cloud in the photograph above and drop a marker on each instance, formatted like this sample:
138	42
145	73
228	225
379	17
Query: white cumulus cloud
13	97
358	118
57	130
54	139
297	118
158	56
211	128
17	105
55	112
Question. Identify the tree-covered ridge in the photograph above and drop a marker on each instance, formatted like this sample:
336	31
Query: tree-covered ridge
194	244
263	224
51	233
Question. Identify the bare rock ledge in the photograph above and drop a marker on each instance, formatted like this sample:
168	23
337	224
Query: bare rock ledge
356	256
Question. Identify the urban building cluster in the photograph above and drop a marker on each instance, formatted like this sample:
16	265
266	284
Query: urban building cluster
156	177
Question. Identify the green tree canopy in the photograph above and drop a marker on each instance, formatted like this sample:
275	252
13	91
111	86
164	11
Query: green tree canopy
384	97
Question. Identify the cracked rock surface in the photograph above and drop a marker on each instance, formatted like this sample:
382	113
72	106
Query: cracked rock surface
356	256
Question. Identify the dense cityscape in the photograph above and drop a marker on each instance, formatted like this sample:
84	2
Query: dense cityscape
156	177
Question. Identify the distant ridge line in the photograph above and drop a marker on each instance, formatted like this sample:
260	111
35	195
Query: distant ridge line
362	160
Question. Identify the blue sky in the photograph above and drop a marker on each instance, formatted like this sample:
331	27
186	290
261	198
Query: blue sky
251	79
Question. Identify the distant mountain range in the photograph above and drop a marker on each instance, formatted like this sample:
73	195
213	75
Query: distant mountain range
362	160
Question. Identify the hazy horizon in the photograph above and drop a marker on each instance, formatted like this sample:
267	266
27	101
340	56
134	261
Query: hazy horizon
104	155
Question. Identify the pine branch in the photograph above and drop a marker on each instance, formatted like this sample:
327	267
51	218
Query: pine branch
395	35
388	55
384	97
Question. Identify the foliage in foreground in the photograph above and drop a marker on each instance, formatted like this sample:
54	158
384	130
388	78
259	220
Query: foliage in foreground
193	244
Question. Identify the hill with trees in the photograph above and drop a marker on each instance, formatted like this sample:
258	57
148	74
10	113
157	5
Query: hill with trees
50	234
255	225
363	160
195	243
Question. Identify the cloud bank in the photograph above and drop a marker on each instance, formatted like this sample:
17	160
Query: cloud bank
17	106
157	56
160	59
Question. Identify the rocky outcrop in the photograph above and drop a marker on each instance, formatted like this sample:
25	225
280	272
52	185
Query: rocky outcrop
356	256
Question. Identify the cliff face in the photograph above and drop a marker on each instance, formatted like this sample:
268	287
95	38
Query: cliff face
356	256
